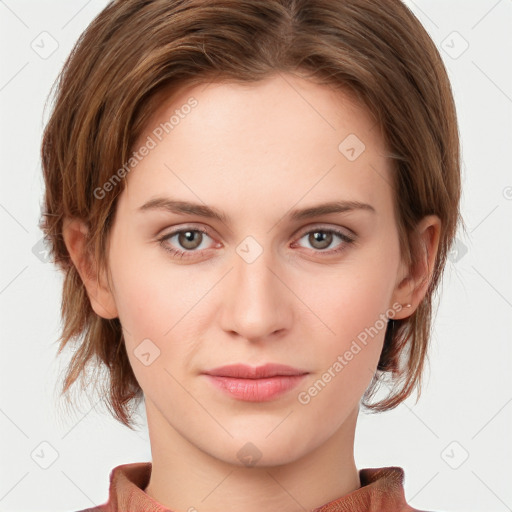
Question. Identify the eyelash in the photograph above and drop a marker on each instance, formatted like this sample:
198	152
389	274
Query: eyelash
189	254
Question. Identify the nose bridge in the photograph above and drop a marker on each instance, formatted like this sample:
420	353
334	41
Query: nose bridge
256	305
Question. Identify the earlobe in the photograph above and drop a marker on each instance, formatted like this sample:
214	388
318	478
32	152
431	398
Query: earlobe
75	234
412	288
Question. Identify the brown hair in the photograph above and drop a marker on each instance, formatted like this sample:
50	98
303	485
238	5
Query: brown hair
136	49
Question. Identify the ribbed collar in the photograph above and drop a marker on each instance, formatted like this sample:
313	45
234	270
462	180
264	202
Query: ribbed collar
381	491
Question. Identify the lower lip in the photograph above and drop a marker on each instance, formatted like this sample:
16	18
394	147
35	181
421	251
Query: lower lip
256	390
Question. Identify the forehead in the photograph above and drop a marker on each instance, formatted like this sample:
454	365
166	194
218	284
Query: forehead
284	136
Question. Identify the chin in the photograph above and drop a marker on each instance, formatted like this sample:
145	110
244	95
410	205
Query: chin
268	446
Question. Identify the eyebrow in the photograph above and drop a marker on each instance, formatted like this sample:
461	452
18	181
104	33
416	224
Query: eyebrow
186	207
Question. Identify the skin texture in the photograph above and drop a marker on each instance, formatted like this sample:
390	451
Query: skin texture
255	152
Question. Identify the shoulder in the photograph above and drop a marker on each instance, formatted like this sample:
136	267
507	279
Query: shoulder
126	481
385	489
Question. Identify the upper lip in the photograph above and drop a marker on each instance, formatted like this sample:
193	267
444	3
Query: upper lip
244	371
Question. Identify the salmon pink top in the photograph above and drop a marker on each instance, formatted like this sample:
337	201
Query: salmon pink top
381	491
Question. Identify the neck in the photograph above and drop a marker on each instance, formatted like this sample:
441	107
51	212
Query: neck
185	478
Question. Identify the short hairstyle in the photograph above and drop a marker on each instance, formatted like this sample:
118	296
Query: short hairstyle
136	50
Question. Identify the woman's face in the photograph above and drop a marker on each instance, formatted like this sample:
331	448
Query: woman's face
270	278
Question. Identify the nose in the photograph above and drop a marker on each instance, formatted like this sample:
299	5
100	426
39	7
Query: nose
256	304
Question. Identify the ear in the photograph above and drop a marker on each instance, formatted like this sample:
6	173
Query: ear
75	233
413	282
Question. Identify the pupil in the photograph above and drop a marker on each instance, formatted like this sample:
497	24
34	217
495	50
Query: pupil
187	239
322	237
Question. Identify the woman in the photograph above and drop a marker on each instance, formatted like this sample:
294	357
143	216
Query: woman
253	204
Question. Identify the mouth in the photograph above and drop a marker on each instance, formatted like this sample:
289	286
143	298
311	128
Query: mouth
243	371
255	384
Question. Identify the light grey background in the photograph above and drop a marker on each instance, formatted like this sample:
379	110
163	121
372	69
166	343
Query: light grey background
454	444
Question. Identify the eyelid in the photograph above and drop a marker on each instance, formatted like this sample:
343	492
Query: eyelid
298	234
174	230
326	227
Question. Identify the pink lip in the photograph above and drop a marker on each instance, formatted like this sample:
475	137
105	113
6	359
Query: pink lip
255	384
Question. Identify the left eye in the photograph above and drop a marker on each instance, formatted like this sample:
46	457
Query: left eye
321	239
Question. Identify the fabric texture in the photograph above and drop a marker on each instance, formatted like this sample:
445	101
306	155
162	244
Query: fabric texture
381	491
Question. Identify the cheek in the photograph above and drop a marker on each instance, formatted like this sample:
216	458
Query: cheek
348	356
153	299
151	292
354	307
356	299
153	306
